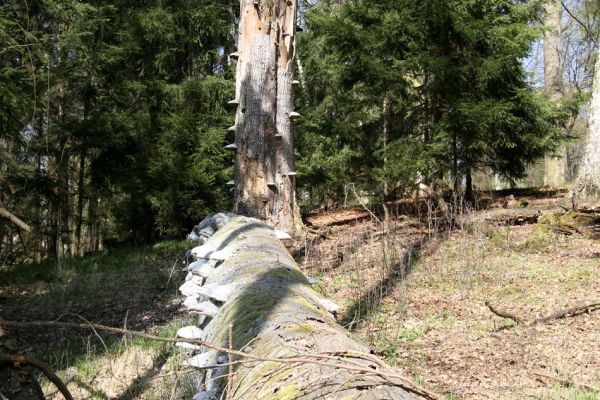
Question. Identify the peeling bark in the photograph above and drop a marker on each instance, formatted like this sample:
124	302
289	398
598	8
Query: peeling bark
264	176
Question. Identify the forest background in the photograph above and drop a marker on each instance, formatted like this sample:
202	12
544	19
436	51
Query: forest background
114	117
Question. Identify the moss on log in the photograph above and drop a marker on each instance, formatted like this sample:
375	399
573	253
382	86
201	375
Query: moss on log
273	313
571	221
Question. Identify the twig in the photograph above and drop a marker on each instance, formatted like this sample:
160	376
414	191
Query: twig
172	270
230	359
390	377
174	389
584	26
567	312
45	368
363	204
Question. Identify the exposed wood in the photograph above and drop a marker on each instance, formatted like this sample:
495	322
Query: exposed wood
503	313
264	132
567	312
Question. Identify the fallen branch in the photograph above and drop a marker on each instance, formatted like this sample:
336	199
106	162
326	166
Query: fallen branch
45	368
339	361
503	313
565	382
567	312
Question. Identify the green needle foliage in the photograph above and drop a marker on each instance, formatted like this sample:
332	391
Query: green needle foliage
452	77
112	120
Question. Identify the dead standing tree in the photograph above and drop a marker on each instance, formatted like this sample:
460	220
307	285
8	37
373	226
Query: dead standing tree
265	181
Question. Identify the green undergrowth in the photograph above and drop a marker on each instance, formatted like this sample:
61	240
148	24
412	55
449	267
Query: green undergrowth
119	258
88	357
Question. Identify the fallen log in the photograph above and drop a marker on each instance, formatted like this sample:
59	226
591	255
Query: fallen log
500	217
267	309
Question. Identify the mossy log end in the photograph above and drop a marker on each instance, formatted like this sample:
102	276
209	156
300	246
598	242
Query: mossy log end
570	222
270	311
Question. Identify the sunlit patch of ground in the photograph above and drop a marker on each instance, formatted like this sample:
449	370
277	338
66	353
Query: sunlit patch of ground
426	313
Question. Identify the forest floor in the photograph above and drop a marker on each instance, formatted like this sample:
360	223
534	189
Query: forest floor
132	287
416	292
413	288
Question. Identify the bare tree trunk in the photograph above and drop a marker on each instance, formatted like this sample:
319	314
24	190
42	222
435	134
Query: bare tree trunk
469	194
80	201
53	228
555	172
386	128
265	176
92	222
64	207
588	180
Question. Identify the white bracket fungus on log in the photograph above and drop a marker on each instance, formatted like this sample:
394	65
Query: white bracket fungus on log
255	299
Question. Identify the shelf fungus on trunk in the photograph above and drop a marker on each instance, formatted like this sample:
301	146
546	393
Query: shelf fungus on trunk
258	301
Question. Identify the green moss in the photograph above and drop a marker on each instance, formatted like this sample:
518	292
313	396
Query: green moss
574	219
548	219
300	328
571	219
301	300
243	313
272	389
287	392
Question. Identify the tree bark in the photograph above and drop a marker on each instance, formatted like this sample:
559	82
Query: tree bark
78	249
469	194
555	172
92	222
266	308
265	176
64	203
588	180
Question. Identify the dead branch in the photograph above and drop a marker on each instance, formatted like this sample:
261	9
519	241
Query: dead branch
4	213
565	382
45	368
503	313
567	312
392	378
